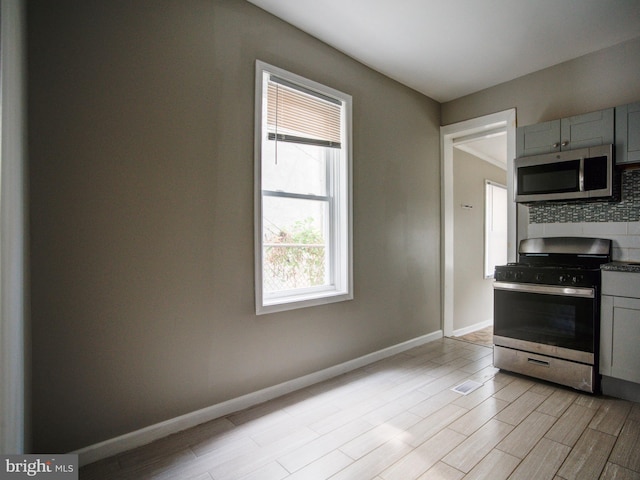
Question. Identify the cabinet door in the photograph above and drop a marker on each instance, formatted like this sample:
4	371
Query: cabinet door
537	139
588	130
628	133
606	334
620	331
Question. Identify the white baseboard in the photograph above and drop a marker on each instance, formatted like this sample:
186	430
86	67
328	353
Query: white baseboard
146	435
472	328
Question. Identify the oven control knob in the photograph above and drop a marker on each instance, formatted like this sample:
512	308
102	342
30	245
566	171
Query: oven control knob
518	276
539	277
577	279
563	279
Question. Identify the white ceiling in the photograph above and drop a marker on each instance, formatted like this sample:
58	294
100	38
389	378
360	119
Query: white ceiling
450	48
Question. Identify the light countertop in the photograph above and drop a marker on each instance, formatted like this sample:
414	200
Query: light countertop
633	267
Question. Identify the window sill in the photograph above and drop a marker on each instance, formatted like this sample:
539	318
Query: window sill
295	302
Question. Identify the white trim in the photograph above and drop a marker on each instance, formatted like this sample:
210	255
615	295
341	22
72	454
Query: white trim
472	328
481	155
12	229
148	434
466	144
448	136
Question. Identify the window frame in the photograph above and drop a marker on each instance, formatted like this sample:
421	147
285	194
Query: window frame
340	287
489	212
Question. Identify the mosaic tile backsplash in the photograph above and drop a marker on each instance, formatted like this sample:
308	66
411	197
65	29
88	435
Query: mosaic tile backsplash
626	210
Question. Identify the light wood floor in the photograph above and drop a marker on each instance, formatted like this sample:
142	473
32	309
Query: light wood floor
483	336
399	419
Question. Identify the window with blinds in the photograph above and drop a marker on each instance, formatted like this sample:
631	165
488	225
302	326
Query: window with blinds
295	114
303	192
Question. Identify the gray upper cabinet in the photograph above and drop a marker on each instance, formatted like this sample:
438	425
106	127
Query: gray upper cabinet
537	139
579	131
588	130
628	134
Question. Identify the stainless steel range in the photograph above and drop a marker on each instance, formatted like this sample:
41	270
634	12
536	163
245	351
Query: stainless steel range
547	310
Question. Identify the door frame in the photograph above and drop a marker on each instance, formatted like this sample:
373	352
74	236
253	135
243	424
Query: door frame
475	128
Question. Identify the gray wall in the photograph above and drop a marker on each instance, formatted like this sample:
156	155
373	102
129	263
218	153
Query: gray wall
473	294
599	80
603	79
141	214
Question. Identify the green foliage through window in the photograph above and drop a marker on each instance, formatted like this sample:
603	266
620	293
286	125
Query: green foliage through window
294	258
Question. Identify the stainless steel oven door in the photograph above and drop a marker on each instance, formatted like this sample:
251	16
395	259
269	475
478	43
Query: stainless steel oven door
551	318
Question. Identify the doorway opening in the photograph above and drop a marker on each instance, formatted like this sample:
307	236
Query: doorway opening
467	140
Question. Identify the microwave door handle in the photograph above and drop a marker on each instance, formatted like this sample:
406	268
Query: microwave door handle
581	175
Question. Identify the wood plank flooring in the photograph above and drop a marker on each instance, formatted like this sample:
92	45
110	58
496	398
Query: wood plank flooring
399	419
484	336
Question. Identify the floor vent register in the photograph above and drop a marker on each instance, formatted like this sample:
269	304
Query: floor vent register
467	387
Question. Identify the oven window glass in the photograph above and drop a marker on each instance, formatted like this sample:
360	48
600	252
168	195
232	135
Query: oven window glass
556	320
549	178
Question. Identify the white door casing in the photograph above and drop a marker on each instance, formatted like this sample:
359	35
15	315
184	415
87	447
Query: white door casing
449	136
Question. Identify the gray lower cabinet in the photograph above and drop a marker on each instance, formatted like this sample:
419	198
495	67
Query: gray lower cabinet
628	134
580	131
620	326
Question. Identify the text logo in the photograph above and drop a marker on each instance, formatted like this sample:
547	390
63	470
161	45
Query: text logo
50	467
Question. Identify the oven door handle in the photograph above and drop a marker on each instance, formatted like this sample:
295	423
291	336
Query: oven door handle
546	289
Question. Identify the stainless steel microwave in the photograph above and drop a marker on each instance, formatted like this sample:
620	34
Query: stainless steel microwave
571	175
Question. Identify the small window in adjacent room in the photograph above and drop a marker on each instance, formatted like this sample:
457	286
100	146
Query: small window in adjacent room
303	192
495	227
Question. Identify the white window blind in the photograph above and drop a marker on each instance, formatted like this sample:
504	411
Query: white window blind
296	114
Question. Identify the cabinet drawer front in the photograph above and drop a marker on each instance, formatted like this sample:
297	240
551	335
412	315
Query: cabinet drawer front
621	284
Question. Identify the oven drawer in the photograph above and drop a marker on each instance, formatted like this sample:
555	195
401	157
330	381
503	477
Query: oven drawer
571	374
